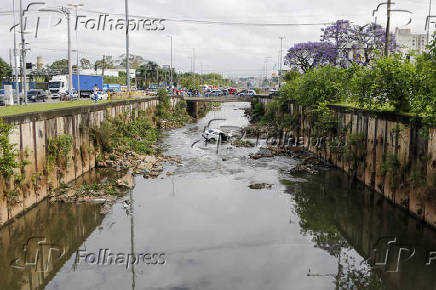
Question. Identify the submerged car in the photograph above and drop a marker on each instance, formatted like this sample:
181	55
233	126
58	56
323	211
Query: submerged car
213	135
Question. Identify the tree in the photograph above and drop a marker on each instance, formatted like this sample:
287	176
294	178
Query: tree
5	69
424	103
85	63
59	67
390	83
305	56
323	84
190	81
106	62
135	61
149	72
347	38
291	75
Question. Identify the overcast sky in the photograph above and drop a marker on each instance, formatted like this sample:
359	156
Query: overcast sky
233	50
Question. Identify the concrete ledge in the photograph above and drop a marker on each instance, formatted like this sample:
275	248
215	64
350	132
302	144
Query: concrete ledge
63	112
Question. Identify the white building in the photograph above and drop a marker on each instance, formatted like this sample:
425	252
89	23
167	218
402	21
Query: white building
407	41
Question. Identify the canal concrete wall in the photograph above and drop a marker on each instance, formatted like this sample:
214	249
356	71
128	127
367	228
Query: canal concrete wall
386	151
32	133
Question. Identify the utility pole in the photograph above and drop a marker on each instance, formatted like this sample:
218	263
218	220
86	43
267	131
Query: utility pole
388	23
17	87
103	66
23	53
70	63
127	47
171	62
77	49
428	19
281	58
193	60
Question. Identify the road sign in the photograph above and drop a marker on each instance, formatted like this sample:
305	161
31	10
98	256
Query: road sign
357	58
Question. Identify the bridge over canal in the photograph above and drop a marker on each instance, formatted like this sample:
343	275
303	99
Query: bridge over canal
195	103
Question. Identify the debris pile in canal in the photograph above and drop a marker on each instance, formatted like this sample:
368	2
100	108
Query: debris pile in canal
109	190
260	186
309	162
243	143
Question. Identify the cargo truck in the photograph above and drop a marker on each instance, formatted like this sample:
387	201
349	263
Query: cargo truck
58	85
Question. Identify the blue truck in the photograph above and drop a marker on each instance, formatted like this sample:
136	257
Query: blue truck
58	85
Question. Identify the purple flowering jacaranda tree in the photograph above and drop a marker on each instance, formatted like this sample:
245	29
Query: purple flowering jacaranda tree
307	55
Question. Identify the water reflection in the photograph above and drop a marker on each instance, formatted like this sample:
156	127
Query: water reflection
58	228
342	217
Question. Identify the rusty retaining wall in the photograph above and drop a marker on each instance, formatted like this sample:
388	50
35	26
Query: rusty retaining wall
32	132
411	184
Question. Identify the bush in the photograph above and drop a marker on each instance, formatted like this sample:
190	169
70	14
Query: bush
390	83
319	85
164	106
121	135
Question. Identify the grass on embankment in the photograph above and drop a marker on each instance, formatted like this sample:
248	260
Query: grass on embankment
386	108
21	109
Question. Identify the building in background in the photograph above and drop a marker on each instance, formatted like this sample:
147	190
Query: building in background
39	63
408	42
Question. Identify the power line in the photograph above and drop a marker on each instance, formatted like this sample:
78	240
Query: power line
199	21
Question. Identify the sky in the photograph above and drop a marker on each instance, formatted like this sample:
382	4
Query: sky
233	50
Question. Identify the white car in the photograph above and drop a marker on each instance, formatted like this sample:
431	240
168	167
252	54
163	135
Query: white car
213	135
247	93
101	96
213	93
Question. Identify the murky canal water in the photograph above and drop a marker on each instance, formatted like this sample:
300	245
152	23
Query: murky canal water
203	228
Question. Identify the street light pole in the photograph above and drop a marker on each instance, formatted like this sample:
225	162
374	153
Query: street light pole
23	53
77	49
281	58
17	93
127	47
70	64
171	63
428	19
193	60
388	23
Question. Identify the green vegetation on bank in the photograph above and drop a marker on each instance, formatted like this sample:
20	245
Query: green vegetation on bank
116	136
395	83
11	170
124	135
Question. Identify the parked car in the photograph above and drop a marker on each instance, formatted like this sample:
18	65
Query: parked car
214	93
213	135
273	93
101	96
232	91
36	95
2	97
72	95
225	92
247	93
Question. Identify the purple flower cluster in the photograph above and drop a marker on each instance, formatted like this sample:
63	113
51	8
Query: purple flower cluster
336	43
